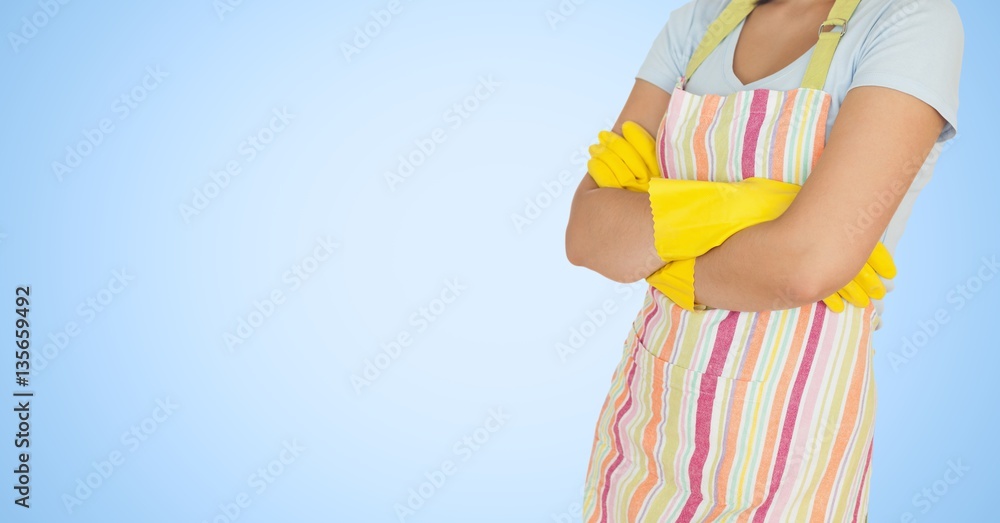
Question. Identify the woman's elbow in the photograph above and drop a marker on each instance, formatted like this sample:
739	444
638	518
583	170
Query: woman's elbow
577	238
581	253
576	251
806	288
821	275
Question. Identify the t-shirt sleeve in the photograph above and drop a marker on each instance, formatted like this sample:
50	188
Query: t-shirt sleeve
668	57
916	47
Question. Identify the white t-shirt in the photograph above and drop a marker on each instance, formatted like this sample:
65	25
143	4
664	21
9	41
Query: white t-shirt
914	46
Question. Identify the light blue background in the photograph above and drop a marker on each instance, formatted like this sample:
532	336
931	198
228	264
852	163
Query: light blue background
492	347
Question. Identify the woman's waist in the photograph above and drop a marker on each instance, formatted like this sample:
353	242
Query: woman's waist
750	346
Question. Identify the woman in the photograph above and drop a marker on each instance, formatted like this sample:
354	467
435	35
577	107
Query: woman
745	391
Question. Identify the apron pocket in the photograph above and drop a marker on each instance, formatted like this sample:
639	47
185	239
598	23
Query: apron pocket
677	337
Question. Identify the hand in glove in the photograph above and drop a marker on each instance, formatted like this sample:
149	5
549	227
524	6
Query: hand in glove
625	162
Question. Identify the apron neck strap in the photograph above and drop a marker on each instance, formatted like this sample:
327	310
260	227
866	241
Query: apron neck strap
819	64
738	10
731	16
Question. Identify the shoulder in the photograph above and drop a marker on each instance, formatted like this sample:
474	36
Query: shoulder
695	16
707	8
913	46
689	22
704	12
881	19
905	30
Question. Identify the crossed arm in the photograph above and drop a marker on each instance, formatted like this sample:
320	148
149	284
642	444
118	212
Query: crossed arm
876	147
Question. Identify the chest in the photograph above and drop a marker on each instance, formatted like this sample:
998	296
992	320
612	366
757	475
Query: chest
766	125
751	133
773	37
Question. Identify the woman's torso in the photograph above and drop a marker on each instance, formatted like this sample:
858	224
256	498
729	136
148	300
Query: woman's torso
716	76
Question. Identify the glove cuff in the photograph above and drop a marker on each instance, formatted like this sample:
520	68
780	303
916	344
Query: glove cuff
663	205
676	281
692	217
686	213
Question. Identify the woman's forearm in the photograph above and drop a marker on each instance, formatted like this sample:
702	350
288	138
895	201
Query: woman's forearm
760	268
610	231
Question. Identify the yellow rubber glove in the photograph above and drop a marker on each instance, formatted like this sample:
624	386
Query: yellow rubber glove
627	161
691	217
676	281
867	283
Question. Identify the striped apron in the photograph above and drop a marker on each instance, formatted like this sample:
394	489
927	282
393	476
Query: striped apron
721	415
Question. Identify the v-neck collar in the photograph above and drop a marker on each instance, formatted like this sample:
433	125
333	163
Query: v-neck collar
734	81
